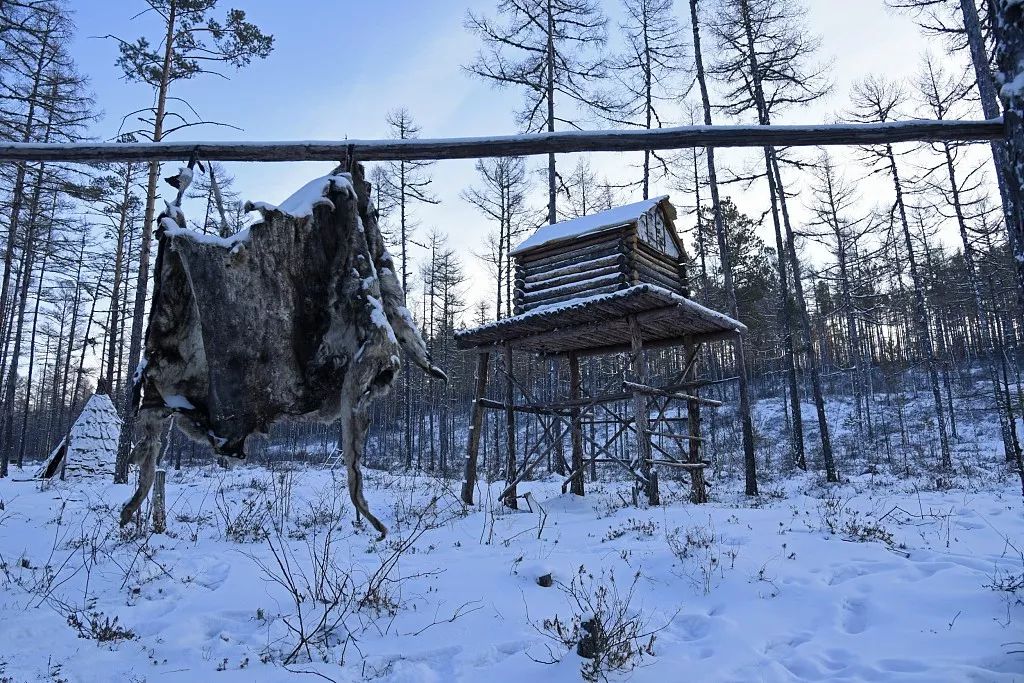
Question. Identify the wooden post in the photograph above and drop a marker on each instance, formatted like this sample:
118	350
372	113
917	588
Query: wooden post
510	432
576	430
640	414
698	488
476	421
160	502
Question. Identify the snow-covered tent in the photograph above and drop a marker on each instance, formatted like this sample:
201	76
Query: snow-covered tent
93	443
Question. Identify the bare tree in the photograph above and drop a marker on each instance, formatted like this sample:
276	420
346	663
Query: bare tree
766	63
501	198
652	72
877	100
833	200
963	28
401	185
193	43
550	49
749	461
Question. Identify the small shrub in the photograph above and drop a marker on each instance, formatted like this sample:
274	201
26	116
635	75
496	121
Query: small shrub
604	629
247	521
631	526
701	555
99	627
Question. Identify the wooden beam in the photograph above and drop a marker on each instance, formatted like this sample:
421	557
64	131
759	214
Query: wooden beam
517	145
655	391
681	465
638	371
698	487
510	433
649	345
532	410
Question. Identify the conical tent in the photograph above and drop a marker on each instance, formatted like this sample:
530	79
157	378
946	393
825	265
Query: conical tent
93	443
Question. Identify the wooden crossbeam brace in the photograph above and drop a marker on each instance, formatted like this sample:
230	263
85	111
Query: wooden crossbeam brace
517	145
521	408
528	395
655	391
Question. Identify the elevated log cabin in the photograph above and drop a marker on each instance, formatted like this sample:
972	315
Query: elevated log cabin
599	254
609	283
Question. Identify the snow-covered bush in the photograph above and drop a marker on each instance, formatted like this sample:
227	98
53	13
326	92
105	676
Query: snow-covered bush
610	635
701	555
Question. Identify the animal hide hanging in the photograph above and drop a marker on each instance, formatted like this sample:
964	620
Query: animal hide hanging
301	316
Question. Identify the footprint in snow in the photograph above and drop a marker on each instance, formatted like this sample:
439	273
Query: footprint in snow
692	626
854	616
214	576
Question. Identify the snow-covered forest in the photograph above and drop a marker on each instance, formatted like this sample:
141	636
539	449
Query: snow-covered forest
854	509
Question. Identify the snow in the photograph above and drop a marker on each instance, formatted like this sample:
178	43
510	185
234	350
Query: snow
184	178
581	302
764	592
879	578
178	401
233	242
379	318
308	197
1013	88
585	225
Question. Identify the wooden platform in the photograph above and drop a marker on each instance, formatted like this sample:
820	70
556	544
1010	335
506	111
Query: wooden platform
600	324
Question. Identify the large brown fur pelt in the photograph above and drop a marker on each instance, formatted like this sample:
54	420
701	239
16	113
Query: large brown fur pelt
303	316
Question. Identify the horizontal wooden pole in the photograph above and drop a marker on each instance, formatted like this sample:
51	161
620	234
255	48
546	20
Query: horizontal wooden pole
516	145
655	391
681	465
533	410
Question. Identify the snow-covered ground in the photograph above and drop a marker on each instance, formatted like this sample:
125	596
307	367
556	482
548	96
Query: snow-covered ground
871	580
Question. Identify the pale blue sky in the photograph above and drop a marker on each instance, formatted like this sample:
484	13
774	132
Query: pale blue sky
339	66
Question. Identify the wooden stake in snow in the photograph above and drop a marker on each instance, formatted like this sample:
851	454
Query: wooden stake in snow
160	502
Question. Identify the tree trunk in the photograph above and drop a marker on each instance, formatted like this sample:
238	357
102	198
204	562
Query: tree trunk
750	463
142	287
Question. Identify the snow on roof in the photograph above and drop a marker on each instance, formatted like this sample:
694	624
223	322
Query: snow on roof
584	225
721	319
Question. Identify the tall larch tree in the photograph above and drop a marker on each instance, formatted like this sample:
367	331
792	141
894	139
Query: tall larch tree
877	100
653	72
766	64
192	43
401	186
742	366
551	50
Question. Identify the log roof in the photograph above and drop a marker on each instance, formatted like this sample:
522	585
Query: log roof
600	324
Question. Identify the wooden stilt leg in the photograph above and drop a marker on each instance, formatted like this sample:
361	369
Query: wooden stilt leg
640	414
576	429
476	421
510	432
698	489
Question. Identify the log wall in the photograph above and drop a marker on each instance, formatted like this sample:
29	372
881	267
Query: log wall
604	262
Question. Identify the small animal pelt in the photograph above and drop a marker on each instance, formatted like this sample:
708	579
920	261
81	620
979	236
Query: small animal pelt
301	316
